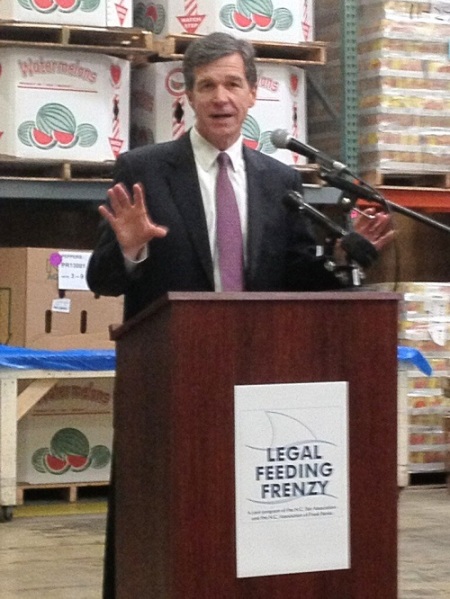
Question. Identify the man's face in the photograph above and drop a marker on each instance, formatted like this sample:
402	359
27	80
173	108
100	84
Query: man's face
220	99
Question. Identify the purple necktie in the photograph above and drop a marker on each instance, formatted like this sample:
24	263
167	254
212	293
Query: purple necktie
229	233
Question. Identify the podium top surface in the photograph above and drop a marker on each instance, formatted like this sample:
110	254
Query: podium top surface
180	297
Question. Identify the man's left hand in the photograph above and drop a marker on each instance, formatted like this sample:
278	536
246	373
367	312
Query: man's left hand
375	226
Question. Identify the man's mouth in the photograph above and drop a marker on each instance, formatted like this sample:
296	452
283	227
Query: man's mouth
221	117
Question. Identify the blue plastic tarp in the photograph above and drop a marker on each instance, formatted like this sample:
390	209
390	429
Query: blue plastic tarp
71	359
105	359
414	357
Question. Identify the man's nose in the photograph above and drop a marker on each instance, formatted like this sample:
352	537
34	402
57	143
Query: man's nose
221	94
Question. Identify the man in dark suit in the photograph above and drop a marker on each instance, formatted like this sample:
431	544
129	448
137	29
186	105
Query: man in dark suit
172	184
159	232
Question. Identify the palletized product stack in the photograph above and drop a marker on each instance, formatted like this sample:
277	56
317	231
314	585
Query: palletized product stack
325	109
404	87
425	325
57	103
403	103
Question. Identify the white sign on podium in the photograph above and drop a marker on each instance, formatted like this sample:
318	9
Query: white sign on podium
292	498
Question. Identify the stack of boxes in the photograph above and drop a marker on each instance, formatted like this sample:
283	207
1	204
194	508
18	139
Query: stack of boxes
61	105
403	106
425	325
405	83
68	105
45	304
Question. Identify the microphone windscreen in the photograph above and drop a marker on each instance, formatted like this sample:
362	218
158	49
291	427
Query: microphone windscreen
280	138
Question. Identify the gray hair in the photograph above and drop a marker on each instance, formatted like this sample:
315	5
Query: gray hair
205	50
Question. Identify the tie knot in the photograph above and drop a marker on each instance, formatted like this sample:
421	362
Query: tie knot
223	159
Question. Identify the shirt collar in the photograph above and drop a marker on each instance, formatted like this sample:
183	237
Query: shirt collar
206	154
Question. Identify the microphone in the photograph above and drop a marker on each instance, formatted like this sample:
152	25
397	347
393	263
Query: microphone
358	190
355	245
281	139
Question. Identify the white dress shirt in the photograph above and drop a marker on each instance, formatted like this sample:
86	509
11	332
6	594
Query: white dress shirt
205	156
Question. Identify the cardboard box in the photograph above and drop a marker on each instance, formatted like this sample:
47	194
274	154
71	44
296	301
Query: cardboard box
36	312
63	105
93	13
280	104
286	21
160	110
67	436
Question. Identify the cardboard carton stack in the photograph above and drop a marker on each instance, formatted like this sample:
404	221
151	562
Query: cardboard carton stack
45	304
405	78
403	106
424	324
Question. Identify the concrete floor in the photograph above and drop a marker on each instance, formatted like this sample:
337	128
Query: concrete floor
61	556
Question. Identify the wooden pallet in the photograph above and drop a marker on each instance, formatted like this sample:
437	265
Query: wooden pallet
126	42
55	170
307	53
69	492
422	180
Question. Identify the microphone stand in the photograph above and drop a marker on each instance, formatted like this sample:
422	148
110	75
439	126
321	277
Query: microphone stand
358	250
362	190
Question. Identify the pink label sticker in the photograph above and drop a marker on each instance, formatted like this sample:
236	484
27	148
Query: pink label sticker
55	259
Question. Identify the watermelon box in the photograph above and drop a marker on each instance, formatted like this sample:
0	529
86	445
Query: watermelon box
281	91
90	13
63	105
67	436
286	21
159	109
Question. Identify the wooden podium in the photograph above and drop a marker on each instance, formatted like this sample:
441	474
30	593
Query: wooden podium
177	365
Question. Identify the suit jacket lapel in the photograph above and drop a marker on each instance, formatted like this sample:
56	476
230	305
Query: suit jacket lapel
255	230
187	196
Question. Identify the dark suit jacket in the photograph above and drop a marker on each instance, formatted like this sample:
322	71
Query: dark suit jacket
280	251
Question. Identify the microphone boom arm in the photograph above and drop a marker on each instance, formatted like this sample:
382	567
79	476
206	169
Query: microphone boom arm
365	192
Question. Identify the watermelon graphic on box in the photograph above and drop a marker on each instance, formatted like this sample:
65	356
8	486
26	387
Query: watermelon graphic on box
55	124
286	21
70	450
63	105
91	13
